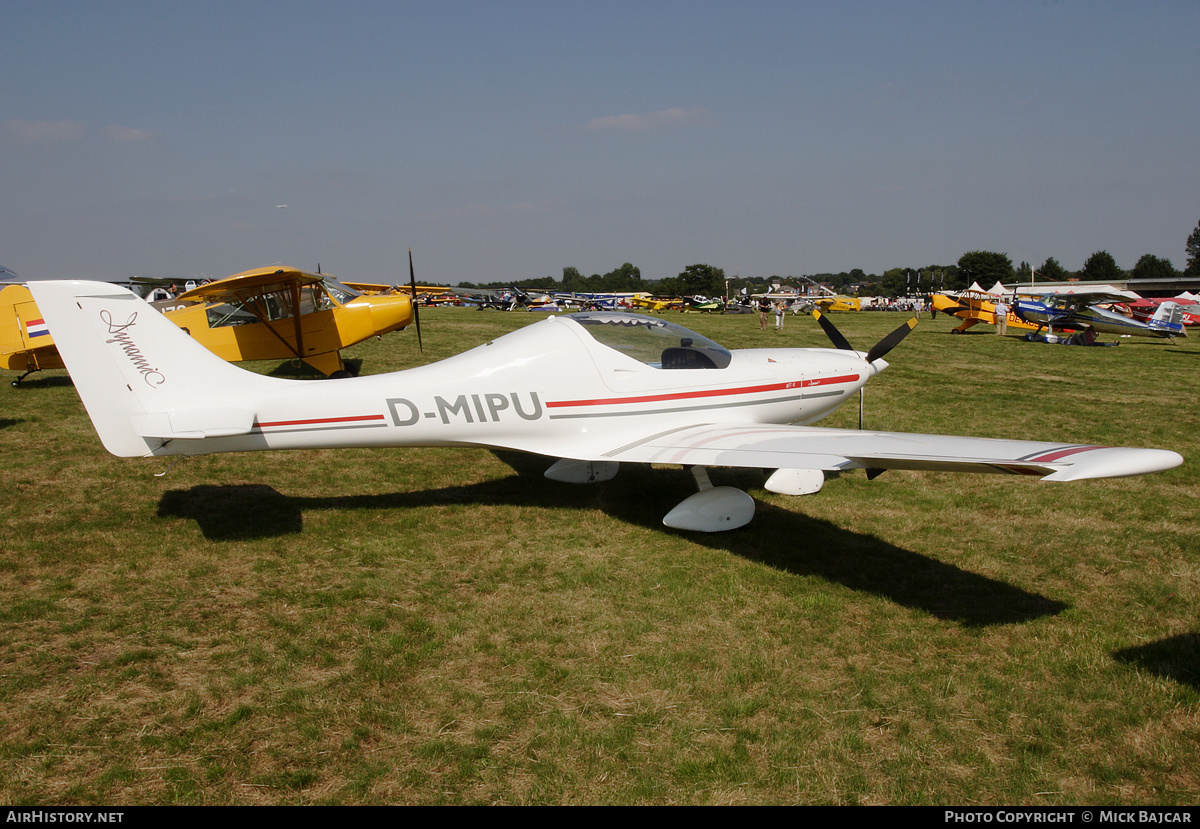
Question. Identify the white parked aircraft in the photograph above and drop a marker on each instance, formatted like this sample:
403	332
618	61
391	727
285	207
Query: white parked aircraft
592	389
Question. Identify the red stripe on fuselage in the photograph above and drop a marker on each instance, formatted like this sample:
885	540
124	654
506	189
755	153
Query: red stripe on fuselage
312	421
691	395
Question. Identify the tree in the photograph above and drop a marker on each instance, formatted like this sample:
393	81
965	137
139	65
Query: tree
1101	267
702	279
1193	253
1050	269
1151	267
572	279
625	278
986	268
894	282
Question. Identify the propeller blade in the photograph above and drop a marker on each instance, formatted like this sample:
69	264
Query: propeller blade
412	283
835	336
891	340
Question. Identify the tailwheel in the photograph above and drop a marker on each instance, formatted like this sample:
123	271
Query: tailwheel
16	383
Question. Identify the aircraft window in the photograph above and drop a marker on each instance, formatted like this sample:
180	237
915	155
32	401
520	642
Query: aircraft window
229	314
310	299
654	341
341	293
278	305
325	299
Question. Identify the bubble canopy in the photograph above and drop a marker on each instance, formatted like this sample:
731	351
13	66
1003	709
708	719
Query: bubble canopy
653	341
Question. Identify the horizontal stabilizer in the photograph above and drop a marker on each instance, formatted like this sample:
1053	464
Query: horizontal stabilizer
194	424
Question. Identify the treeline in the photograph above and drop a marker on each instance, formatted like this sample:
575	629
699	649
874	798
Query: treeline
623	280
983	267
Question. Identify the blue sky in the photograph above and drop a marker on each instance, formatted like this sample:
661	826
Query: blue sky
507	140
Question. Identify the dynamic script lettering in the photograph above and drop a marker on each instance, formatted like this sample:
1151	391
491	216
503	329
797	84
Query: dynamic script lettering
120	336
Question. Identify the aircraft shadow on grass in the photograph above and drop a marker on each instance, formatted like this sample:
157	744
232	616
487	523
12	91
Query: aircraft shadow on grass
779	538
52	381
1176	657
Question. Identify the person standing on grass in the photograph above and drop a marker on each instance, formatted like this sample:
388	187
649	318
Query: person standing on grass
1001	313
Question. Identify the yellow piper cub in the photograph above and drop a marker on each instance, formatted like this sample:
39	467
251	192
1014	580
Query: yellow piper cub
271	313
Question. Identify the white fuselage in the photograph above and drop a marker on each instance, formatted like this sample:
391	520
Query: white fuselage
547	385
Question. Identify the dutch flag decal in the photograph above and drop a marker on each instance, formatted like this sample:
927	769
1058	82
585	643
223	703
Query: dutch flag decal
36	328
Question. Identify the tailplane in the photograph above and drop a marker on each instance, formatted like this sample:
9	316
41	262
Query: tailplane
143	381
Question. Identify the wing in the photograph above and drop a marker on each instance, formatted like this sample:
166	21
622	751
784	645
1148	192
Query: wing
1082	296
260	281
802	447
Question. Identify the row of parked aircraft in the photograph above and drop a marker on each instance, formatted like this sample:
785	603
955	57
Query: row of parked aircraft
517	299
1081	313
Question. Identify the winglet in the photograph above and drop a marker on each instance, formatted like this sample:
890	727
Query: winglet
1116	462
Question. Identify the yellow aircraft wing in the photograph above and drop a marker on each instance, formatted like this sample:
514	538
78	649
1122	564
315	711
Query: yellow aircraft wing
375	288
249	283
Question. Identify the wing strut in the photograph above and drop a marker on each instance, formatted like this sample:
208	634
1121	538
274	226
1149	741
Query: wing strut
251	303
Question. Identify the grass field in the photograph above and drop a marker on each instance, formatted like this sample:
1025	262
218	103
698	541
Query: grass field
446	626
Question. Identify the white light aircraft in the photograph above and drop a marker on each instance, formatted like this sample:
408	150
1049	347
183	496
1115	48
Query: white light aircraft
592	390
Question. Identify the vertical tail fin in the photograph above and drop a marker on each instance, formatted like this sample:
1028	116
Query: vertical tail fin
142	380
1169	318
